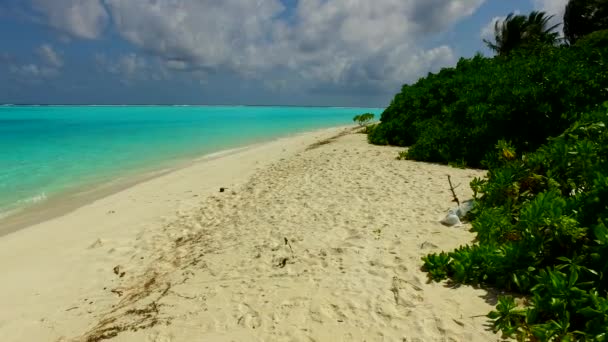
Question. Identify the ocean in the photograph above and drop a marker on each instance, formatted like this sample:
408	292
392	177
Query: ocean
49	150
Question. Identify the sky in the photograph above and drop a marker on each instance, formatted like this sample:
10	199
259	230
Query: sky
245	52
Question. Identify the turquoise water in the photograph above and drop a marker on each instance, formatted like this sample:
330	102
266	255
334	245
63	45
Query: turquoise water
45	151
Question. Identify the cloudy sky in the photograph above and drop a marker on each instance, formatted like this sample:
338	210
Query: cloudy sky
293	52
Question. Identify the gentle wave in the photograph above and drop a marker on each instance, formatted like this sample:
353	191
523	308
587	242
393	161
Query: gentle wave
34	199
22	204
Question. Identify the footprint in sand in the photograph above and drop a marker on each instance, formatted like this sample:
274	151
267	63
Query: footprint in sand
331	312
98	243
159	337
407	293
249	318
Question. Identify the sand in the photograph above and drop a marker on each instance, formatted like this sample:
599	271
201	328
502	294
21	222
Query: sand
314	239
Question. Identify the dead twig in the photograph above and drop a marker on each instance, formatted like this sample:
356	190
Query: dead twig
331	139
289	244
452	188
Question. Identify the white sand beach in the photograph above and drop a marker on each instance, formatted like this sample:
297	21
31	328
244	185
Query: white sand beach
314	239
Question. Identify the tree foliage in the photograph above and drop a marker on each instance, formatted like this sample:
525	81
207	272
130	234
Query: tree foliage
364	119
583	17
520	31
595	40
460	113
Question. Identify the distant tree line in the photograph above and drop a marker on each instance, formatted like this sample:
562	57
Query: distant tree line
535	87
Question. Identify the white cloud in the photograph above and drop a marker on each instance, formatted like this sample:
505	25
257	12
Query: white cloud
176	64
340	43
205	33
552	7
33	71
50	56
487	32
555	8
131	67
131	64
333	42
80	18
36	72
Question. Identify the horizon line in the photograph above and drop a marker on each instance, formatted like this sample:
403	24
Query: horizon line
172	105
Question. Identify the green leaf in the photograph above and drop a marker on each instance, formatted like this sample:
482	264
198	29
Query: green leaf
573	277
601	233
493	314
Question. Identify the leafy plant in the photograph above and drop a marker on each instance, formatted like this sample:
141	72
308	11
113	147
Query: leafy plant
402	155
459	114
595	40
541	231
376	135
364	119
517	31
437	265
508	317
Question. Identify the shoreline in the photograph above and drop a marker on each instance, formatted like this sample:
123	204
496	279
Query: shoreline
62	203
66	201
317	237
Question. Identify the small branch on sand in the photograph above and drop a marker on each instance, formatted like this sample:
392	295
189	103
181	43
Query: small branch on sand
118	292
288	244
452	188
395	289
331	139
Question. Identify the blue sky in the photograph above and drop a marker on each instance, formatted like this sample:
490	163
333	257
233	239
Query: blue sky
291	52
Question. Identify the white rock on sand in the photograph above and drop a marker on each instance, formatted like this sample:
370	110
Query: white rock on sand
451	219
308	244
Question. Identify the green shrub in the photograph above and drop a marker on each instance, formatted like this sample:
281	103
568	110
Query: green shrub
368	129
460	113
364	119
402	155
375	135
595	40
541	223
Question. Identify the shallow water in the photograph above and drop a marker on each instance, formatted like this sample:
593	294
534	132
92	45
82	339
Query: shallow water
47	150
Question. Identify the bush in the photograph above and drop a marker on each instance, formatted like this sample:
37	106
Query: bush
375	135
541	221
402	155
364	119
460	113
595	40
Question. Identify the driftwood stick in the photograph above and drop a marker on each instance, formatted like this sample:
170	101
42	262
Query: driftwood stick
288	244
452	188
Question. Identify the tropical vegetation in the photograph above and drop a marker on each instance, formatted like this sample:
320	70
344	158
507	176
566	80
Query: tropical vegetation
583	17
517	31
364	119
535	91
536	117
541	222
